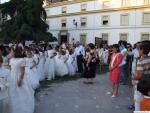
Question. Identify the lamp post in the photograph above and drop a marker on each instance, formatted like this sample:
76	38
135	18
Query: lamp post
75	23
73	41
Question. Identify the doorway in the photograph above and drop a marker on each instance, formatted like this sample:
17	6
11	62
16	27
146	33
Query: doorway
63	39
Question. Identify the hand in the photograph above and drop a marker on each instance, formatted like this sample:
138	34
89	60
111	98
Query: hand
19	83
111	68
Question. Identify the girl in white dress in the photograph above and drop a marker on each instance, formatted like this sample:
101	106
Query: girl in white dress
105	56
70	63
4	88
51	64
61	65
46	64
36	57
30	70
41	65
21	92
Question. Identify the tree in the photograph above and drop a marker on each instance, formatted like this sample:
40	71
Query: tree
27	21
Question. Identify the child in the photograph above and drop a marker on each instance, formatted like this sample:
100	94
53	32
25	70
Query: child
115	69
50	62
30	70
144	88
36	57
143	69
70	63
61	66
4	87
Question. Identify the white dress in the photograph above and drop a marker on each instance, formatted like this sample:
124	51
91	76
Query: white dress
46	64
41	66
31	74
50	65
36	57
4	90
75	62
70	64
105	56
61	66
22	98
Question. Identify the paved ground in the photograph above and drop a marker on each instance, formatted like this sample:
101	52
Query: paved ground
76	97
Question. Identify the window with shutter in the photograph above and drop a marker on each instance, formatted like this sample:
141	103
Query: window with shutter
83	21
63	23
124	36
145	36
124	19
83	7
106	4
83	38
64	10
146	18
146	2
105	20
125	3
105	38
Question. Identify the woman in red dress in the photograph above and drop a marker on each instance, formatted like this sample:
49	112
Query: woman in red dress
115	69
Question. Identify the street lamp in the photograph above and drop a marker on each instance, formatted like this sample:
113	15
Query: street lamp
75	23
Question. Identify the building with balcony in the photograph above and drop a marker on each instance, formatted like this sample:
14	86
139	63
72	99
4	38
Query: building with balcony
95	20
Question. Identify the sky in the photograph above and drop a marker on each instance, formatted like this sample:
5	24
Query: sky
2	1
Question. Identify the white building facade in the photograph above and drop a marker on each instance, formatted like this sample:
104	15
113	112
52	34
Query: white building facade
90	21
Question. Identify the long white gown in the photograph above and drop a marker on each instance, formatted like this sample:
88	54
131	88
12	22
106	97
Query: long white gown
46	64
4	92
31	74
61	66
41	65
22	98
50	65
70	64
37	58
75	63
105	56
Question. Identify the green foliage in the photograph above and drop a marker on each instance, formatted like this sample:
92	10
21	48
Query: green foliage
27	21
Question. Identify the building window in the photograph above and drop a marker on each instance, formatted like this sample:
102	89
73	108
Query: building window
105	38
64	10
106	4
146	18
146	2
83	21
145	36
63	23
83	7
124	36
124	19
125	3
105	20
83	38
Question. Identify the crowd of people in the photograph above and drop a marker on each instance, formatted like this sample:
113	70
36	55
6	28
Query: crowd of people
23	67
127	62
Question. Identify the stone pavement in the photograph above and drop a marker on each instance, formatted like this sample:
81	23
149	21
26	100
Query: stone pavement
76	97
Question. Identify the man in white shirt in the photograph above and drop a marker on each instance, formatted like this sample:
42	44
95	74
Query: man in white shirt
79	52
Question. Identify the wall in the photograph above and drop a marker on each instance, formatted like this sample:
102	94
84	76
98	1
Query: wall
94	27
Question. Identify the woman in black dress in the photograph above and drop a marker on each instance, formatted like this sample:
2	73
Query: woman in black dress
90	65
